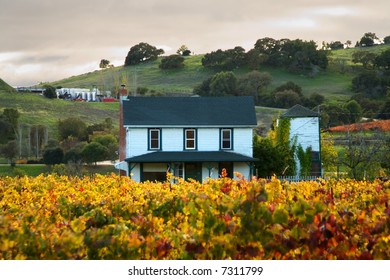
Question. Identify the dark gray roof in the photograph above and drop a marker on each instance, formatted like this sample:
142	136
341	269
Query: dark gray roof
216	156
189	111
298	111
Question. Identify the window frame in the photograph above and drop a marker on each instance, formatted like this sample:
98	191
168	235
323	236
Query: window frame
222	139
194	139
150	139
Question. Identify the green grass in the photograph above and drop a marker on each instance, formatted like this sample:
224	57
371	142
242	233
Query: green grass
5	87
145	75
23	169
334	83
34	109
37	169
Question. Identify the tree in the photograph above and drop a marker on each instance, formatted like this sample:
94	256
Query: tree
183	51
7	132
204	88
173	61
50	92
383	60
104	63
72	127
314	100
355	111
253	83
290	86
94	152
362	152
142	52
385	110
336	115
9	151
111	143
329	157
223	83
270	51
12	117
286	99
225	60
255	59
364	57
371	84
337	45
53	156
386	40
368	39
273	159
287	95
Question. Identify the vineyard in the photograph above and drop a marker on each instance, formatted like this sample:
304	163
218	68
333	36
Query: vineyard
112	217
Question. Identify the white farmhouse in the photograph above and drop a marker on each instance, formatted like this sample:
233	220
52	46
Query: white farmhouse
191	137
305	129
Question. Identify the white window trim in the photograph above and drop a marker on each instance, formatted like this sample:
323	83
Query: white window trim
186	139
158	139
230	138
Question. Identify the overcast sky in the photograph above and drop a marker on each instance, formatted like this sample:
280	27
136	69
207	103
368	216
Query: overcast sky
47	40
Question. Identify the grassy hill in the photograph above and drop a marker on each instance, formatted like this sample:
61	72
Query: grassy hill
334	84
5	87
330	83
35	109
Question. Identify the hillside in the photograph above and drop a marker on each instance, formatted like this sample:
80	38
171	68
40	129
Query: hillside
332	84
335	83
5	87
35	109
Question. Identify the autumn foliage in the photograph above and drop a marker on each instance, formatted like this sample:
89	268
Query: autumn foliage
382	125
112	217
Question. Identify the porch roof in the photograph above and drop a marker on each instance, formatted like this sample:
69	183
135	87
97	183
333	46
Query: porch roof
191	156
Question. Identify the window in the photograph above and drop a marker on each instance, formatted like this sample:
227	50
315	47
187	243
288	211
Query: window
226	139
190	139
154	139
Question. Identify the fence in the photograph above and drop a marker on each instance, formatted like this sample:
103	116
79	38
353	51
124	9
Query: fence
295	178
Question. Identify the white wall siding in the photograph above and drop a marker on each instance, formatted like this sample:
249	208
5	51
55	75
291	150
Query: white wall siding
213	173
136	142
307	132
172	139
135	173
242	168
242	141
208	139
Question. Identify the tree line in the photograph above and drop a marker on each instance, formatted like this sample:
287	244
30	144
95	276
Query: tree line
297	56
77	142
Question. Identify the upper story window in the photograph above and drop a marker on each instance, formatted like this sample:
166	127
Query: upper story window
154	139
190	139
226	139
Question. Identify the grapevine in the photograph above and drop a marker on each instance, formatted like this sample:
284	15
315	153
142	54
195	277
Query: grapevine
112	217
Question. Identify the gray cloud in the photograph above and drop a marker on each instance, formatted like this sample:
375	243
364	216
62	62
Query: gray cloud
37	35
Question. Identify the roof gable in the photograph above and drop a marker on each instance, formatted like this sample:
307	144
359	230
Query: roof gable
189	111
298	111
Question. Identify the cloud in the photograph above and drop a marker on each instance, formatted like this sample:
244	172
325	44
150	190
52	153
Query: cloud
64	37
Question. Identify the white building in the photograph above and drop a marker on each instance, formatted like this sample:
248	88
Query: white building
192	137
305	129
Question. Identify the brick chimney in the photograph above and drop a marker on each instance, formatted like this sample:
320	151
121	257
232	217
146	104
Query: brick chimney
122	129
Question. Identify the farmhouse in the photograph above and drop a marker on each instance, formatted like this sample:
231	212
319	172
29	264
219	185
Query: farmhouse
305	131
191	137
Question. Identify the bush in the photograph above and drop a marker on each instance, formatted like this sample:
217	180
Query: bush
172	62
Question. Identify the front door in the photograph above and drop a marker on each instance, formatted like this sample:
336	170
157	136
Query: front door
193	170
228	166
